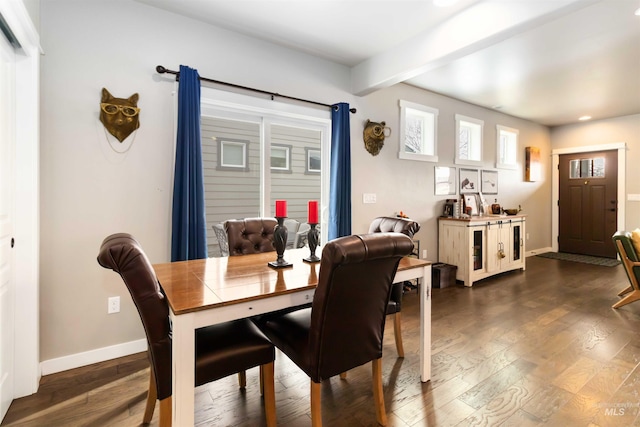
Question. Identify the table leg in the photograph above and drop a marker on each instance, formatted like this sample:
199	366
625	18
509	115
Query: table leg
183	369
425	325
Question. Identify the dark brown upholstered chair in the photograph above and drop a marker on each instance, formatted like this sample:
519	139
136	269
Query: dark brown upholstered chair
221	350
405	226
344	327
250	235
631	261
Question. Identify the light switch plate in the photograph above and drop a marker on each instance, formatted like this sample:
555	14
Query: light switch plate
368	197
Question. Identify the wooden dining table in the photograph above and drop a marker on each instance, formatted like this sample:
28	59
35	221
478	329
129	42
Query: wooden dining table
214	290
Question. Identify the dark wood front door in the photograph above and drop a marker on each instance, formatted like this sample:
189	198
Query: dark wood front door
588	205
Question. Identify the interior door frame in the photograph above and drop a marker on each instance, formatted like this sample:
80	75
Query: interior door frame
621	147
27	370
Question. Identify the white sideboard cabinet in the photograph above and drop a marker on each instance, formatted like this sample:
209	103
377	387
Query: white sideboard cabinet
481	246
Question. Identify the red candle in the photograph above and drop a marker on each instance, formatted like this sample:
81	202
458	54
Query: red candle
313	211
281	208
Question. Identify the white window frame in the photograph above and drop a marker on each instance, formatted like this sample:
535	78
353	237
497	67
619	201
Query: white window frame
233	142
230	105
308	168
513	137
477	129
430	135
287	157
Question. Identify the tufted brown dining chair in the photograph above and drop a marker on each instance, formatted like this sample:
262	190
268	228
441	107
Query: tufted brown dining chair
221	350
386	224
250	235
344	327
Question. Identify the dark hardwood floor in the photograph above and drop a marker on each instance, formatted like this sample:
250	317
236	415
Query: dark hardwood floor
540	347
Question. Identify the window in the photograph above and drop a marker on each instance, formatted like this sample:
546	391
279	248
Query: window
587	168
468	140
256	151
232	154
507	147
418	130
313	161
280	158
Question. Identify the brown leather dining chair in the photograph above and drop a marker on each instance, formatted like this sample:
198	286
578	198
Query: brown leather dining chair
386	224
250	235
344	327
221	350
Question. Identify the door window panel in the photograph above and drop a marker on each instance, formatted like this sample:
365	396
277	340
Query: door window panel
587	168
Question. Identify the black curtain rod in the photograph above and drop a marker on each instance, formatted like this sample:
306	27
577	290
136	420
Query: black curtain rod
161	70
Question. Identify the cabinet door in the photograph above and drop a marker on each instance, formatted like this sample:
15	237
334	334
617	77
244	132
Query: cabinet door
493	246
478	250
516	239
499	245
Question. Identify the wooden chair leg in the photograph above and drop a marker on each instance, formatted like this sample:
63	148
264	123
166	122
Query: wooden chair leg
261	381
625	291
316	404
267	378
397	332
165	412
152	396
632	297
242	379
378	395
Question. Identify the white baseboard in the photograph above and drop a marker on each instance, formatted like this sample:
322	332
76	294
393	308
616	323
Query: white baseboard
77	360
539	251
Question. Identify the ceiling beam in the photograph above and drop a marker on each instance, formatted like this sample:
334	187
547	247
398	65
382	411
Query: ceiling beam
478	27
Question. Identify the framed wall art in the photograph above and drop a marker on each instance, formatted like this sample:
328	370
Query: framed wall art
445	179
469	180
532	169
489	183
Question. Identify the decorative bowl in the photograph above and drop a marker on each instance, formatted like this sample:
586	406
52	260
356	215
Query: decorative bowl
511	211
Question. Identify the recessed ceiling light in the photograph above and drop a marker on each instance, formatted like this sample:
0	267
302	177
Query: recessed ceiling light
637	13
583	118
444	3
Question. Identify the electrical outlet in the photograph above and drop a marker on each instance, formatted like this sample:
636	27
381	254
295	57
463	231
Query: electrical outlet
113	305
527	236
424	254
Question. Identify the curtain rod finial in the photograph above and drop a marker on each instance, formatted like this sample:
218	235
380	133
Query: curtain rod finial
160	69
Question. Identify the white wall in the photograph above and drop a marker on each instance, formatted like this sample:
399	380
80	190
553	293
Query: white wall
88	191
408	186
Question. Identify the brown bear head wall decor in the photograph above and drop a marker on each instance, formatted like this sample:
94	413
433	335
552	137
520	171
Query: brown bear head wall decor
374	134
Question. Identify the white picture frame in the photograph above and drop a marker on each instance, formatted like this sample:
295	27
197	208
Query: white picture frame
469	181
471	201
445	180
489	182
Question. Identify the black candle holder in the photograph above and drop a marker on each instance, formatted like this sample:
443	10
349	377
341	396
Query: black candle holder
280	242
312	238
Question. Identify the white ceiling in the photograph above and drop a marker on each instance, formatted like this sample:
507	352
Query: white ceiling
549	61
